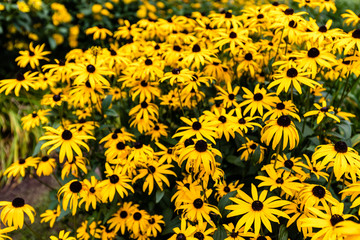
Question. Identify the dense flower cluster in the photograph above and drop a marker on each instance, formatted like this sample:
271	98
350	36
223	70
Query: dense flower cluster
226	126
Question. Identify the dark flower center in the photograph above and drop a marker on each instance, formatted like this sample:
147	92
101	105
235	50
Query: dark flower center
137	216
279	181
157	47
231	96
118	130
180	236
20	76
201	146
21	161
336	218
176	71
280	106
148	62
318	191
138	145
18	202
234	234
196	126
260	16
242	121
144	104
75	187
233	35
114	178
120	146
156	128
292	24
292	72
275	4
313	52
196	48
226	189
257	205
82	121
346	62
56	97
324	109
152	169
341	147
289	164
253	146
113	52
289	11
88	84
188	142
123	214
284	121
143	83
199	235
356	33
34	115
66	135
177	48
258	97
114	136
228	15
248	56
92	190
108	230
151	220
222	119
90	68
45	159
323	29
198	203
31	53
169	151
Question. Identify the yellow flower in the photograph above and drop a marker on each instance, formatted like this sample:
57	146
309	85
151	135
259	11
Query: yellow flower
12	213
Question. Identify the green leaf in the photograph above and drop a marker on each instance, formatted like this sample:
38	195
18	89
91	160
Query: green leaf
235	160
345	128
225	201
111	113
38	147
355	140
283	232
106	103
169	226
220	233
159	195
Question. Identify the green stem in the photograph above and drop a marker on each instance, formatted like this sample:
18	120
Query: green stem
57	180
277	153
344	90
329	182
37	236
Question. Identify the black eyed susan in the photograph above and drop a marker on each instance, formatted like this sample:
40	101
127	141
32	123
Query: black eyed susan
71	192
183	187
22	80
62	236
12	213
228	97
233	234
225	122
350	17
145	110
34	119
67	139
257	101
311	195
243	123
19	167
118	220
91	195
322	111
99	32
201	128
200	156
177	76
185	231
5	231
141	152
344	159
296	213
107	233
256	210
46	166
294	164
248	149
51	215
154	228
145	90
88	231
117	182
117	151
282	108
55	98
166	154
32	56
280	131
223	188
118	135
138	222
155	172
316	167
198	56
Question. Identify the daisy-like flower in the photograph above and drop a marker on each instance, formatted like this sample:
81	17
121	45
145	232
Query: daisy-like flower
233	234
166	154
51	216
34	119
145	110
12	213
225	122
4	231
154	172
258	100
344	159
249	148
196	209
157	132
351	18
223	188
71	192
297	213
138	222
154	225
18	168
243	123
67	139
46	166
281	130
91	71
99	32
146	90
279	179
22	80
62	236
201	128
118	220
327	221
185	231
291	76
233	38
282	108
256	210
87	231
228	97
178	76
316	168
91	195
293	164
117	182
199	55
311	195
32	56
203	232
199	156
322	111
